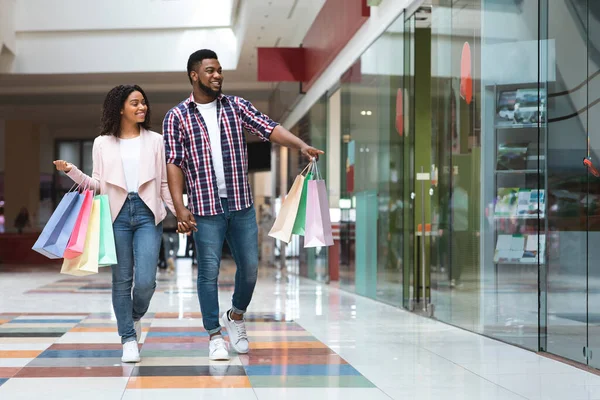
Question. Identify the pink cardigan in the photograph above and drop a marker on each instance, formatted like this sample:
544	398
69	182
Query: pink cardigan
108	176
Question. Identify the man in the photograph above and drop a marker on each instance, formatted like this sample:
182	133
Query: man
206	147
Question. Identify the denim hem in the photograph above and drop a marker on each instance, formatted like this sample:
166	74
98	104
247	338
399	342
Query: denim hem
213	331
237	310
129	339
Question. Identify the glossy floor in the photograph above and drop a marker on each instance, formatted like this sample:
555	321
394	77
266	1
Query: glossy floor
58	340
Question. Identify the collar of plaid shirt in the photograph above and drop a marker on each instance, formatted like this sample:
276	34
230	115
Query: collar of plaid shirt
187	144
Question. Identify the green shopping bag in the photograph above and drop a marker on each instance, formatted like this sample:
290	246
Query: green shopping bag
300	221
107	255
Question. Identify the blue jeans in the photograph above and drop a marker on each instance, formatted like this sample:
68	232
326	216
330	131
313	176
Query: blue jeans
137	241
240	230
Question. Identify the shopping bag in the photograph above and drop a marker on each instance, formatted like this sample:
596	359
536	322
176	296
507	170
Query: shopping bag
318	221
87	262
284	223
107	254
300	222
76	242
54	238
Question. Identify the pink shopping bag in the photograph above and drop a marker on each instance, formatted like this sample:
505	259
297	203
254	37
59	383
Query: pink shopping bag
77	240
87	262
318	221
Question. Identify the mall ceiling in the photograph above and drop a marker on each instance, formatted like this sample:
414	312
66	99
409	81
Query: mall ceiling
75	99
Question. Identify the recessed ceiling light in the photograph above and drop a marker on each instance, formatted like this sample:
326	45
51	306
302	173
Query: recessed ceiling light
363	112
369	113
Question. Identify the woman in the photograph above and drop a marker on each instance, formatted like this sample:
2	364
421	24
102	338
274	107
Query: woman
129	167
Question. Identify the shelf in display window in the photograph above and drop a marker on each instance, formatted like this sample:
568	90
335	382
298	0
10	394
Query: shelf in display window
518	126
519	171
521	263
520	249
525	217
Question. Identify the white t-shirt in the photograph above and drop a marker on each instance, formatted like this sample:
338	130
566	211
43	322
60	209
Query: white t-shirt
130	156
209	114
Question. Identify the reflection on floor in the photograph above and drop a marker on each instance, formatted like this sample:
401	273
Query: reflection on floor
309	340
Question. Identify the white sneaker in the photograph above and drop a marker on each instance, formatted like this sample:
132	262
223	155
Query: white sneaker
131	354
237	334
138	329
217	349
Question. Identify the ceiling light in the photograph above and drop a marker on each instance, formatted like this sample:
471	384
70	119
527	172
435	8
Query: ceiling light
369	113
363	112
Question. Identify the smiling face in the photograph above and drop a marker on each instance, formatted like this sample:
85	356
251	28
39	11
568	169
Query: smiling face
134	109
208	75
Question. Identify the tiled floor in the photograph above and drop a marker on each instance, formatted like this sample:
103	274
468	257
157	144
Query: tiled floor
309	341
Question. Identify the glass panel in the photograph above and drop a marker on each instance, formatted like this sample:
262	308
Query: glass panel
441	154
478	70
457	104
387	59
372	168
593	114
408	176
567	179
513	179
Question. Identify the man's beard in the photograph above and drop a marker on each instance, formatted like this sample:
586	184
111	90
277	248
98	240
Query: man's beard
207	90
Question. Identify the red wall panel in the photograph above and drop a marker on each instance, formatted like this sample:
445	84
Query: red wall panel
337	22
335	25
281	64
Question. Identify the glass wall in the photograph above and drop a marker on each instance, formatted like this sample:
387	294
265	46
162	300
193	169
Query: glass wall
469	170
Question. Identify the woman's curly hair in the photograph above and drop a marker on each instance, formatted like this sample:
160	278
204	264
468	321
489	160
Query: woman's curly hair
114	103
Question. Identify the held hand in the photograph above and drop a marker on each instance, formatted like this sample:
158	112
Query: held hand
62	165
310	152
185	221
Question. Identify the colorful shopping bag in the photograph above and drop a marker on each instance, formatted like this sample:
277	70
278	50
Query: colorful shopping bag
54	238
284	223
318	220
77	241
300	222
107	254
87	262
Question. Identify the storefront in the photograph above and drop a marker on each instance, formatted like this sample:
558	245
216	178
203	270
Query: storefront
457	173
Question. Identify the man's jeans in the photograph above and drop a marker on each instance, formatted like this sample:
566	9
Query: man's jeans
240	230
137	241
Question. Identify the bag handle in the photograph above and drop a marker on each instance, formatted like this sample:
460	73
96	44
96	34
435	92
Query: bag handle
75	186
316	169
307	169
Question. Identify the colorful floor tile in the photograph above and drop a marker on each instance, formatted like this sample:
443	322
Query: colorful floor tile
174	353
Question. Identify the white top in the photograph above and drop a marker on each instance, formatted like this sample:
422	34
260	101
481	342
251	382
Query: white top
130	156
209	114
